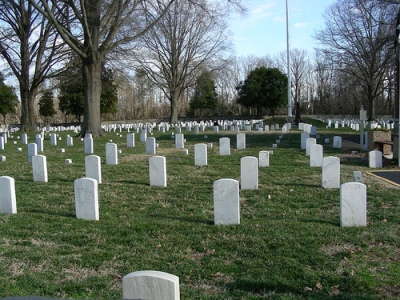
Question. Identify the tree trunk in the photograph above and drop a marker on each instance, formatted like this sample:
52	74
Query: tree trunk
92	91
28	114
371	102
174	107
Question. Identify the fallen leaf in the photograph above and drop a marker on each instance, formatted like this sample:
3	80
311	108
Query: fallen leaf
218	274
319	285
307	289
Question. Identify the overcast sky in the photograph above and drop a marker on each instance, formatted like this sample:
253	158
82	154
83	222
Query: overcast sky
263	30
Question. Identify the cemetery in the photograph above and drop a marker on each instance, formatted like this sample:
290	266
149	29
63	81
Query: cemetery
248	209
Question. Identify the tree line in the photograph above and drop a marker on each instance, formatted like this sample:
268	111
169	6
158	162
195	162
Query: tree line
149	59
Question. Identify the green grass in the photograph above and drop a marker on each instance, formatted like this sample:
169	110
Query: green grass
289	244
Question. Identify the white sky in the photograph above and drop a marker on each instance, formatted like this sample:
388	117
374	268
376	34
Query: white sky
263	30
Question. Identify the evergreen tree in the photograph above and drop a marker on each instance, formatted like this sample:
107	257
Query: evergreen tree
263	88
205	96
71	99
8	99
46	105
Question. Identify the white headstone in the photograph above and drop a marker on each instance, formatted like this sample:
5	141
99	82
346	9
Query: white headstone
263	159
86	199
158	171
32	151
179	141
240	141
39	168
1	143
88	144
93	167
249	173
304	137
151	145
224	146
226	202
200	155
316	155
130	140
375	159
39	143
353	204
153	285
70	141
8	203
337	142
143	137
358	176
24	138
111	154
331	172
309	142
53	139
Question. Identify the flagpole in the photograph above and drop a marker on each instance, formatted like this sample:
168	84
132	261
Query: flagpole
289	91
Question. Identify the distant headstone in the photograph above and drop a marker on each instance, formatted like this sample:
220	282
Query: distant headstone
226	202
1	143
337	142
263	159
310	141
8	203
151	145
53	139
39	143
240	141
224	146
86	199
32	151
304	137
143	136
375	159
111	154
331	172
358	176
200	155
39	168
353	204
313	130
316	155
158	171
88	144
24	138
130	140
249	173
179	141
93	167
70	141
150	285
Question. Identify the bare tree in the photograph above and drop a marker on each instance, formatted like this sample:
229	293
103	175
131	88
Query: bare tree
190	35
299	67
355	38
30	45
94	28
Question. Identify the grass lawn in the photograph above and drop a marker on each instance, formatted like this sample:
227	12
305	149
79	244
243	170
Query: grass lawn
289	244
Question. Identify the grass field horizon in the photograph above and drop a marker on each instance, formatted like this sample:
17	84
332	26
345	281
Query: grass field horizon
289	244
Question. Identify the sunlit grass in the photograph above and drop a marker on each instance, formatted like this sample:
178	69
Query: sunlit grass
289	244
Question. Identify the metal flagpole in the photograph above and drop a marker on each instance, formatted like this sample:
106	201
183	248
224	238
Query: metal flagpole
289	91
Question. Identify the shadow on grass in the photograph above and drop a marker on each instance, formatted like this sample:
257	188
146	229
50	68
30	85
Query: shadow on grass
336	224
133	182
183	219
279	291
49	212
